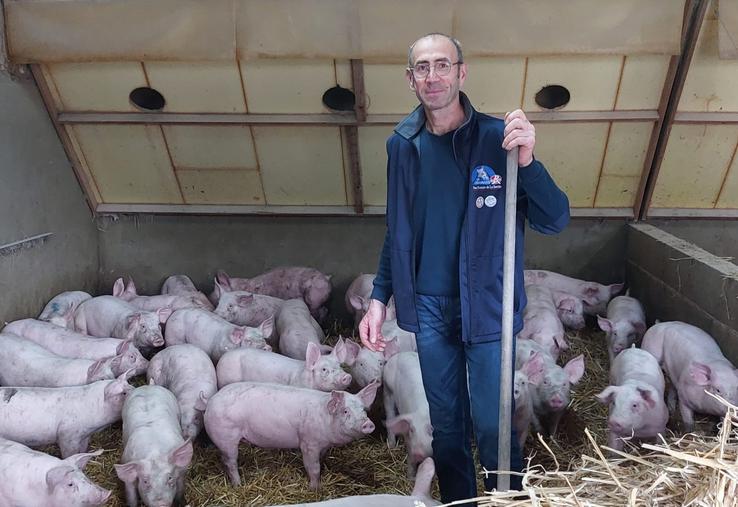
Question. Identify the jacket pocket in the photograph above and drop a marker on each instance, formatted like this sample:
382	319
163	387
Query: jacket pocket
486	308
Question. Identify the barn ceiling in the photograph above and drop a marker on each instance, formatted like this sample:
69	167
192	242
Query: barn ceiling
243	128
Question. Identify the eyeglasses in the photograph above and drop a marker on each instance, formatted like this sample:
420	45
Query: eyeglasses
442	68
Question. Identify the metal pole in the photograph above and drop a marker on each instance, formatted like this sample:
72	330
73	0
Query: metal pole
508	294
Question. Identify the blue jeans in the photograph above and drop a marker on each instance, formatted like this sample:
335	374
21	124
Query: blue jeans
456	408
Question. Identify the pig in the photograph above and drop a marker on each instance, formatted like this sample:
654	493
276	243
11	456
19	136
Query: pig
358	296
541	321
286	417
33	478
155	456
25	364
695	364
366	365
189	373
108	316
67	343
527	378
247	309
407	408
420	496
321	372
295	328
595	296
552	394
570	309
214	335
60	310
290	282
635	396
624	325
405	339
68	416
178	285
153	303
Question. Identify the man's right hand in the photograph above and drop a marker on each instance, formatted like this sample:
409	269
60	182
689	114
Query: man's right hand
370	327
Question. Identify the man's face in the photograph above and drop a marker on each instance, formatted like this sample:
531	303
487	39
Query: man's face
437	92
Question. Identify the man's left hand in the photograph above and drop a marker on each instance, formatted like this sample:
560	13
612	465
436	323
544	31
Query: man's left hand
521	133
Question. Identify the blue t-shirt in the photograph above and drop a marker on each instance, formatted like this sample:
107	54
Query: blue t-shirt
440	203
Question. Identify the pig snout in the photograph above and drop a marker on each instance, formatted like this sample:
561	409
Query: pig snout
556	402
616	426
367	427
345	379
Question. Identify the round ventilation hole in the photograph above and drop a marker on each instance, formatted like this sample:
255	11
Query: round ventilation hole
339	99
147	98
553	97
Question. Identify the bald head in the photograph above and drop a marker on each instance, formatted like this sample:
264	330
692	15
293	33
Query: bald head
435	35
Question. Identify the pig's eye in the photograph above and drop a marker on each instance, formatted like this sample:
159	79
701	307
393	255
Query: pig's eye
345	411
325	370
70	484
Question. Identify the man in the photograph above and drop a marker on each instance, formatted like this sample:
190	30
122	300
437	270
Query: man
442	254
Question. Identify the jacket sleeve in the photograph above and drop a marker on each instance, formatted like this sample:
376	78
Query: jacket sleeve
548	206
383	282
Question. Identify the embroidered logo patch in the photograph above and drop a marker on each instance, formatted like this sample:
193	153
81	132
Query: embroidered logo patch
485	178
490	201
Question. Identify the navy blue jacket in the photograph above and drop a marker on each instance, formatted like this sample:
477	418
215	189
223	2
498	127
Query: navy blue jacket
477	145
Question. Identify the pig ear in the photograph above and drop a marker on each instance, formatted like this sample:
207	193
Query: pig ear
336	402
575	369
116	361
245	300
164	314
607	394
357	302
201	403
533	368
647	397
124	346
340	351
568	303
132	320
605	324
56	476
591	290
80	460
616	288
182	455
237	335
131	287
352	352
118	287
112	389
399	425
368	394
391	348
267	327
700	373
96	369
312	354
222	279
127	472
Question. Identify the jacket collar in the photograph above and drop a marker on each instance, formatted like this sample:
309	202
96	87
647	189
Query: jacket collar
410	126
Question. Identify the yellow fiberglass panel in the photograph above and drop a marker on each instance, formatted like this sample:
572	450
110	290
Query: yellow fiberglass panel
210	147
495	85
221	186
287	86
694	165
387	89
712	83
623	164
572	153
96	86
129	163
301	165
198	87
591	81
373	154
642	82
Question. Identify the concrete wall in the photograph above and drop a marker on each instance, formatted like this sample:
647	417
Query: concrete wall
38	194
149	248
719	237
677	280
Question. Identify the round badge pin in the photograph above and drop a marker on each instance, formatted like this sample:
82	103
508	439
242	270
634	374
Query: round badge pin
490	201
480	202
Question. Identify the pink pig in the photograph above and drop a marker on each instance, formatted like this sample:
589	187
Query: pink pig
289	282
321	372
594	295
695	364
295	328
108	316
213	334
32	478
153	303
366	365
284	417
68	416
570	309
541	321
635	396
60	310
358	295
178	285
247	309
527	378
624	325
66	343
